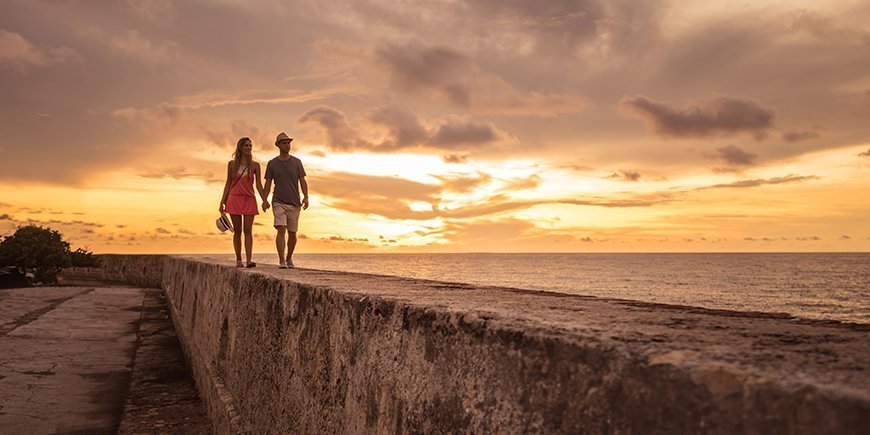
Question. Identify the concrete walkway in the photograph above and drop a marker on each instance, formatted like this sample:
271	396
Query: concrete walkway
67	359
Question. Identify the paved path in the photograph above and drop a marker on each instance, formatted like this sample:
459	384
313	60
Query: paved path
66	359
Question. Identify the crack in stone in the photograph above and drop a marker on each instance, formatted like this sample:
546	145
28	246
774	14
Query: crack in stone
36	314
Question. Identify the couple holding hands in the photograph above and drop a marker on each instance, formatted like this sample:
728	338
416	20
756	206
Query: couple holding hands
239	202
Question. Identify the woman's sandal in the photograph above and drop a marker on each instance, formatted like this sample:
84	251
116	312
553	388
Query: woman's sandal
240	264
251	264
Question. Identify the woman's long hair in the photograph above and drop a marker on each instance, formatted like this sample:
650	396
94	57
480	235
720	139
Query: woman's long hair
237	155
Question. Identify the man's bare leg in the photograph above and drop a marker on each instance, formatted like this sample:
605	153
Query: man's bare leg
279	243
291	245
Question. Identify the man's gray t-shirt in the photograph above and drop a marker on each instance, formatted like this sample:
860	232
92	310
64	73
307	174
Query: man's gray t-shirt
286	174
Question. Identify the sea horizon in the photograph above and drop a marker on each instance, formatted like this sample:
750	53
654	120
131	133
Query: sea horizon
825	286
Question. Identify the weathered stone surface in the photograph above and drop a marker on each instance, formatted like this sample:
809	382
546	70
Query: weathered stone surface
65	365
304	351
67	360
162	396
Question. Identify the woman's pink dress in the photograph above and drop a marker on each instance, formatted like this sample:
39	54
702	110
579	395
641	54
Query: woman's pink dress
241	199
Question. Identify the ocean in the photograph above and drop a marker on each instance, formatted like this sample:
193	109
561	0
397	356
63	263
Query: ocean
833	286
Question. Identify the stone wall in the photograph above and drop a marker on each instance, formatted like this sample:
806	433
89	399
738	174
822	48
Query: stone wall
305	351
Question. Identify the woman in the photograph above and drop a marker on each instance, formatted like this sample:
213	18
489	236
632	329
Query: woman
238	199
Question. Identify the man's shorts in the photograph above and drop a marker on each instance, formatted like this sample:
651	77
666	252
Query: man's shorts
286	215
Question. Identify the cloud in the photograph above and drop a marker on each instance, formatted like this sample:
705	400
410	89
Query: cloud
791	178
646	200
340	135
134	46
525	183
717	116
391	129
792	135
864	154
212	98
435	69
458	133
464	184
734	155
625	175
809	238
459	158
844	237
472	232
178	173
5	217
404	127
343	239
163	115
161	230
450	75
392	197
156	11
389	197
18	54
557	26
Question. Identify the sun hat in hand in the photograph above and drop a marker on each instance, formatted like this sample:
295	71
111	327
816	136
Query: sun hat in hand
223	223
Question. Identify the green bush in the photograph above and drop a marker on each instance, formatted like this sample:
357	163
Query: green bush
41	252
83	258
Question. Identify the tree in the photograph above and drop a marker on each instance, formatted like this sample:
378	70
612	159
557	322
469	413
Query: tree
42	252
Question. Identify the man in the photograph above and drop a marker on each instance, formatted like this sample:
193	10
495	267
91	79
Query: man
289	175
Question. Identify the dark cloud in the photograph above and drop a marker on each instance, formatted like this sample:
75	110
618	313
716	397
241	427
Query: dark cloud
792	135
791	178
437	69
459	133
625	175
403	126
340	135
809	238
734	155
717	116
844	237
446	74
161	230
864	154
401	129
5	217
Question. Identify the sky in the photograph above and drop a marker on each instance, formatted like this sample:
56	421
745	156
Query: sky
446	125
